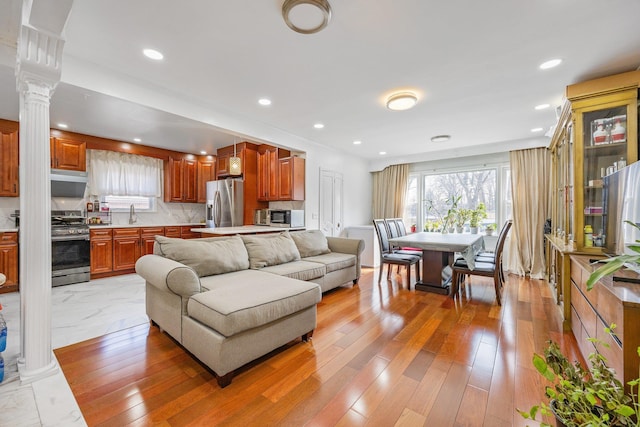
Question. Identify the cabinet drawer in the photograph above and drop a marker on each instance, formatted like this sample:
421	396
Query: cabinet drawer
610	309
584	310
100	233
8	237
576	273
125	232
152	231
613	353
173	231
581	335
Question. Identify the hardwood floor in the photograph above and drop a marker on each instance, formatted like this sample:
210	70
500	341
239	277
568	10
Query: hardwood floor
381	355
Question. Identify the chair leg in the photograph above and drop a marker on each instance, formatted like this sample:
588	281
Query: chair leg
380	275
498	285
455	285
408	276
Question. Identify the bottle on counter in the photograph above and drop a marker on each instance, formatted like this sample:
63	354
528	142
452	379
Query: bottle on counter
96	205
588	236
3	334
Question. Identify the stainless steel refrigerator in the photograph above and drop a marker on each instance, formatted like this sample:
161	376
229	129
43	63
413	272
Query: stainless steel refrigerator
225	203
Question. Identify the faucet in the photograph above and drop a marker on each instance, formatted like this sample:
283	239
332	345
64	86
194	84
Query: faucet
132	214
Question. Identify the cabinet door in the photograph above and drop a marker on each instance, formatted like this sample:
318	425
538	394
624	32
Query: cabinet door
70	155
291	171
273	175
190	188
101	256
222	165
148	237
126	248
172	231
206	173
263	177
186	232
9	258
9	164
174	180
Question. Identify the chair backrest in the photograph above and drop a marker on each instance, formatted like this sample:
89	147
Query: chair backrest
383	238
501	239
402	230
392	227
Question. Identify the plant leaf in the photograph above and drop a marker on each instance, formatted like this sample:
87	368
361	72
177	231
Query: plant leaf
625	411
611	266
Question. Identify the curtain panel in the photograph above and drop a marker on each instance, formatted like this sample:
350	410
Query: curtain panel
530	172
389	190
121	174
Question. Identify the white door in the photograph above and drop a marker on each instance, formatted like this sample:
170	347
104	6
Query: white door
331	202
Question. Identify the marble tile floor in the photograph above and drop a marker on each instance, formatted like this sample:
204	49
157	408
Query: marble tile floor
79	312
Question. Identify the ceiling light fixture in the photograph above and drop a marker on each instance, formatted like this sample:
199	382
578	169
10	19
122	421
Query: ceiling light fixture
537	130
204	153
153	54
137	140
63	125
264	101
235	164
306	16
542	106
550	64
382	153
318	126
440	138
402	101
358	142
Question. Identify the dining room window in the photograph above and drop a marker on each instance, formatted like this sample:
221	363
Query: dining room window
430	194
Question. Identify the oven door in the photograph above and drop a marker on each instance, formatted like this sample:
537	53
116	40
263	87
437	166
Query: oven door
70	259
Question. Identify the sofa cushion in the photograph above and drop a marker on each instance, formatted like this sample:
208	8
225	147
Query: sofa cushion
206	256
334	260
301	270
270	249
310	243
235	304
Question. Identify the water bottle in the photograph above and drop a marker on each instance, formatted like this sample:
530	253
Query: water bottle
1	369
3	334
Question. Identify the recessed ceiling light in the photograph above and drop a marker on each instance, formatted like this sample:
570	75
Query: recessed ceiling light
357	142
137	140
382	153
550	64
537	130
63	125
203	152
440	138
264	101
318	126
402	101
153	54
542	106
306	16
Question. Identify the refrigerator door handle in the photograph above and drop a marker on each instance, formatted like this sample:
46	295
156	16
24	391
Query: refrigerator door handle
217	209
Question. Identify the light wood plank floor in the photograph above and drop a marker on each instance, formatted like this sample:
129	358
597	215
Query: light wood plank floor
381	355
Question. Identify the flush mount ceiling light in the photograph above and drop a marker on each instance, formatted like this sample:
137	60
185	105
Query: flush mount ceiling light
264	102
153	54
306	16
440	138
542	106
402	101
550	64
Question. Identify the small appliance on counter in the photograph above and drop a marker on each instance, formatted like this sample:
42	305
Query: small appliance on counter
286	218
261	217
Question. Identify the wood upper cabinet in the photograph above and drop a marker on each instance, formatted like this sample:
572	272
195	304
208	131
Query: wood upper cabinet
269	172
181	180
9	260
9	171
291	180
206	172
68	154
101	250
126	248
222	164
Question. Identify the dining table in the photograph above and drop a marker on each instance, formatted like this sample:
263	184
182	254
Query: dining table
438	250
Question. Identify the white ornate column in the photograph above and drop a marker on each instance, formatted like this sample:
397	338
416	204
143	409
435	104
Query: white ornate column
37	72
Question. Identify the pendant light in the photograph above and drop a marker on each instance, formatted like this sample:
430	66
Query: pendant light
235	164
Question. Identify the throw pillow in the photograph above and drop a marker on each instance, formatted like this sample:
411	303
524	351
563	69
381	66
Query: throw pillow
270	249
207	256
310	243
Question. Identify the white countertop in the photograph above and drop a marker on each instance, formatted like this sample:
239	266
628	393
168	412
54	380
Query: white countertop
8	230
245	229
139	225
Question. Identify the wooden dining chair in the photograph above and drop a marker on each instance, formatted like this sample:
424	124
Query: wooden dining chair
389	257
461	270
490	256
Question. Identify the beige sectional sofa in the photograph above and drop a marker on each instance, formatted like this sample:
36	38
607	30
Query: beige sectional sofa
231	300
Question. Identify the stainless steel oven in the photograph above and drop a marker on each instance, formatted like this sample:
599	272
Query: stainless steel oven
70	248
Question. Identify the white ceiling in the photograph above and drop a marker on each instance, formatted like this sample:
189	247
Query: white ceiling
473	64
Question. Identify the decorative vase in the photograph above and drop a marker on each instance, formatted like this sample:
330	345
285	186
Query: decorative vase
459	229
489	231
474	230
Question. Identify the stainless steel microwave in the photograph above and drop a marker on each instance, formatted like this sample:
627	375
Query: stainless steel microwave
286	218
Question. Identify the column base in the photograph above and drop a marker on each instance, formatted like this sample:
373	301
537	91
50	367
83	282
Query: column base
29	377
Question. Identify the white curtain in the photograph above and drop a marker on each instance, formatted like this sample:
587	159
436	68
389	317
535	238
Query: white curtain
121	174
530	172
389	190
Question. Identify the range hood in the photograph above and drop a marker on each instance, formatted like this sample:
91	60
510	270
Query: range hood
68	183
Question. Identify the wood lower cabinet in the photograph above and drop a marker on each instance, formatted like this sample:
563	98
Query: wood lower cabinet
126	248
9	162
148	237
172	231
606	304
101	250
186	233
9	260
68	154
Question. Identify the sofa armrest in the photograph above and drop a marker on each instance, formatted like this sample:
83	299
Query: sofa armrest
346	245
168	275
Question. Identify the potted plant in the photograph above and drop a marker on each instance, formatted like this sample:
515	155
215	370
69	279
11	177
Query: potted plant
462	216
490	228
477	214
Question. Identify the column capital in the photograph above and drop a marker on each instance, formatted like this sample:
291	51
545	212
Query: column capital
39	59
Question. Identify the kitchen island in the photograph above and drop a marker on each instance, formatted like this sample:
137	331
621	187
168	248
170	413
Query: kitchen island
244	229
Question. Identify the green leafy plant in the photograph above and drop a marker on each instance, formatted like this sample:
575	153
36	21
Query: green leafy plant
445	219
581	397
462	216
613	264
477	214
491	226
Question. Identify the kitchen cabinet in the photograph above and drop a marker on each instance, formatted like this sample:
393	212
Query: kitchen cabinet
9	260
9	172
172	231
68	154
126	248
269	172
206	172
101	250
186	233
291	178
148	237
181	180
